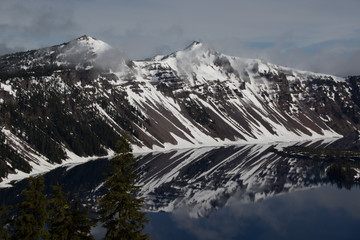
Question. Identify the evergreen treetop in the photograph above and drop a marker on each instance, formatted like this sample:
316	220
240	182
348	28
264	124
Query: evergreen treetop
81	223
4	235
120	210
30	224
59	215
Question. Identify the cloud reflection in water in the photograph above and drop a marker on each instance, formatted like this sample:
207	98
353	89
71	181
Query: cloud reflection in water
321	213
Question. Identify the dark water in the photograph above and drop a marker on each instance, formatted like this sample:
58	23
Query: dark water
322	213
326	212
233	192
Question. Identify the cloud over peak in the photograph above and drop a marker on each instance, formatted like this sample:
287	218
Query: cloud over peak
315	35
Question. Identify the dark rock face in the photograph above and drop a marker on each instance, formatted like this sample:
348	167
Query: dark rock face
77	97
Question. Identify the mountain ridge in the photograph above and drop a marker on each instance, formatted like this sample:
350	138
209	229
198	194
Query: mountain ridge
74	100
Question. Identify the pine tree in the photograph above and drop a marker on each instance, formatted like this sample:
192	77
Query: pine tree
67	221
59	215
120	210
4	235
81	223
30	224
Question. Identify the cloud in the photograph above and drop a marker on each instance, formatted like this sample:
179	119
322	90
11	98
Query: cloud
139	42
33	25
281	32
337	58
4	49
113	59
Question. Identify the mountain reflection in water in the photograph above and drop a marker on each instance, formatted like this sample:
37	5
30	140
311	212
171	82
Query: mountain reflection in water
231	192
204	179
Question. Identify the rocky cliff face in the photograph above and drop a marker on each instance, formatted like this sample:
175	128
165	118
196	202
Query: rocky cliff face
76	99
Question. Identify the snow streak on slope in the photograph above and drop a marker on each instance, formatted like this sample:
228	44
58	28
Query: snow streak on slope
204	179
189	99
234	92
39	163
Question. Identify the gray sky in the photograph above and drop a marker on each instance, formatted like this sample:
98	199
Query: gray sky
316	35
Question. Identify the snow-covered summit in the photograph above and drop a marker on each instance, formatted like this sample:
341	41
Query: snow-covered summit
82	51
86	43
194	64
200	48
200	63
195	51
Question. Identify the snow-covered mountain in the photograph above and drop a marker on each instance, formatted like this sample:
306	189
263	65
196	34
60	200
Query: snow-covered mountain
74	100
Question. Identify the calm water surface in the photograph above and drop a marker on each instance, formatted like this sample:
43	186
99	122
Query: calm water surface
230	192
322	213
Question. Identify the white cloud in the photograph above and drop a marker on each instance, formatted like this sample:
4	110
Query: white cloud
143	28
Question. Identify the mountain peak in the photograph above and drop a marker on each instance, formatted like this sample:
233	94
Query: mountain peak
84	37
90	43
200	48
194	44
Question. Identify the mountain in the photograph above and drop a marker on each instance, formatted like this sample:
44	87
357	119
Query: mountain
71	102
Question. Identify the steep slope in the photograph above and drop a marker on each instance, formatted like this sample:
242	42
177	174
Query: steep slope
48	113
242	99
78	98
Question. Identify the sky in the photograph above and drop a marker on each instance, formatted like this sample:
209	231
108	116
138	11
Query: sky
315	35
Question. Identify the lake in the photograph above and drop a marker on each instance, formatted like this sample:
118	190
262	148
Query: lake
322	213
272	191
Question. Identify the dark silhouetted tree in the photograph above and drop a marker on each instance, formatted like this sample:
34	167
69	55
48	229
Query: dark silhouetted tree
68	221
81	222
30	223
120	210
59	215
4	235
